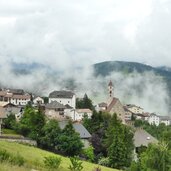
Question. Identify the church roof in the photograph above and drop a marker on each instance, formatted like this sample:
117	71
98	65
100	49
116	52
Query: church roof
112	103
110	83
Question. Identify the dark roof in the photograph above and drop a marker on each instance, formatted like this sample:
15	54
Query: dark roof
79	128
103	104
68	106
61	94
141	137
110	83
132	105
16	91
153	114
163	118
54	105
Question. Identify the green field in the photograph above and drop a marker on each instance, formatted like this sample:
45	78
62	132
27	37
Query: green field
34	159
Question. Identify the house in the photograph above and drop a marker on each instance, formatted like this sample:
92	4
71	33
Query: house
38	100
128	114
76	114
101	106
154	119
81	130
15	96
20	100
134	109
63	97
55	110
8	108
166	120
143	138
80	113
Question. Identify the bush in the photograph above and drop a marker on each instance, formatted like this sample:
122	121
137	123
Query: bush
104	161
76	164
89	153
52	162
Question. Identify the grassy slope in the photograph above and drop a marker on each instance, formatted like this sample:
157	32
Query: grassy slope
34	159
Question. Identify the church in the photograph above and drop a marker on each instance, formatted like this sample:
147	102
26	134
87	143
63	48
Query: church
113	104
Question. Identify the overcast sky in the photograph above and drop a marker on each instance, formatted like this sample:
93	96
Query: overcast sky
65	33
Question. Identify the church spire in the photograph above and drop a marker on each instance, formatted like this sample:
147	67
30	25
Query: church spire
110	89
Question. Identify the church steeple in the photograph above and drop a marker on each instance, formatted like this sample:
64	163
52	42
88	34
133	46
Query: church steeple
110	89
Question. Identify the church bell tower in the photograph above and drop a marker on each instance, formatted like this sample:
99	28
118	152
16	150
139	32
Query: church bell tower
110	89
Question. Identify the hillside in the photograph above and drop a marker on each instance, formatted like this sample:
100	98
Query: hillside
34	159
105	68
126	68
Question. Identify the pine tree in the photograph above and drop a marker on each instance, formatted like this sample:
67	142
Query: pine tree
69	141
119	143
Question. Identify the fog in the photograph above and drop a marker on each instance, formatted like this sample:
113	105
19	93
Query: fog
146	90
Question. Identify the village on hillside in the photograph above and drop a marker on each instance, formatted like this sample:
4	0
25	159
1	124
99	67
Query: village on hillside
62	107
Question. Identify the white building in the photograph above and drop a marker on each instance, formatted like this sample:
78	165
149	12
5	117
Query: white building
154	119
80	113
77	114
38	100
20	99
166	120
63	97
135	109
101	106
14	97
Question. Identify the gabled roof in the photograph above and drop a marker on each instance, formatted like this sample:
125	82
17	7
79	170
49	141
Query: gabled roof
142	137
164	118
110	83
3	93
54	105
16	91
68	106
132	105
16	96
61	94
103	104
112	104
3	104
153	114
79	128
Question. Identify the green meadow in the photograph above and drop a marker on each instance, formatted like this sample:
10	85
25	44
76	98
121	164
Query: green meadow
34	159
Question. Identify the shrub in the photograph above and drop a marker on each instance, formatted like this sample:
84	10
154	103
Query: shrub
89	153
104	161
97	169
52	162
76	164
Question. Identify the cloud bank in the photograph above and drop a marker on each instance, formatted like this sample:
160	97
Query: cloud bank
66	34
